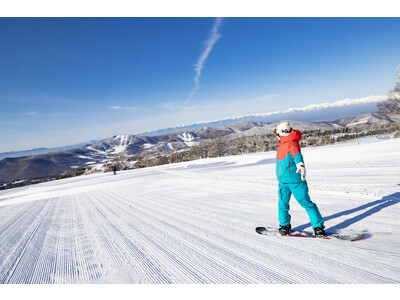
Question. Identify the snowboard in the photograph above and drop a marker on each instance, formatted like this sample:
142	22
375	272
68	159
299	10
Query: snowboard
348	237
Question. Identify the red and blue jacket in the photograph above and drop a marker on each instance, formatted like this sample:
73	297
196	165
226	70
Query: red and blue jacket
288	156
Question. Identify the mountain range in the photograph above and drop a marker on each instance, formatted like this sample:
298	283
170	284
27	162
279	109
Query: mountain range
38	151
312	113
97	153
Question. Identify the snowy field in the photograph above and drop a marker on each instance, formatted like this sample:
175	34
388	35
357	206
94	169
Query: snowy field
194	222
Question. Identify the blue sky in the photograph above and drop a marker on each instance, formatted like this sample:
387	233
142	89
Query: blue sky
70	80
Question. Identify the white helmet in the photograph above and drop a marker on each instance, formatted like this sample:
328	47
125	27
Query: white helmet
283	129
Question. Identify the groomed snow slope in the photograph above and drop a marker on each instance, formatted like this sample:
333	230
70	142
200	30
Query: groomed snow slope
194	222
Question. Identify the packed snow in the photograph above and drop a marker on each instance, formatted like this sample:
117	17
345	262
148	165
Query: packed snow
194	222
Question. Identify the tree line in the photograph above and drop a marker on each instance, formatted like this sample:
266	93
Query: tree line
226	146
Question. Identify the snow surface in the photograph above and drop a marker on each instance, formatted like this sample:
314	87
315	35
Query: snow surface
168	146
125	141
194	222
188	139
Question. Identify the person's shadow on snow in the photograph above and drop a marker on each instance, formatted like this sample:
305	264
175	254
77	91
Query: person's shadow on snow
376	207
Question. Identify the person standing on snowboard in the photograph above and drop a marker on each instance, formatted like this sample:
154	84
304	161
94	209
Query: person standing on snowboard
291	174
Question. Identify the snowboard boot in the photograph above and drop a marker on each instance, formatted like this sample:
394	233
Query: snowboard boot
319	232
285	230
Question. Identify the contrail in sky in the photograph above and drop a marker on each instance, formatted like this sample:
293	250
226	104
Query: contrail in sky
214	37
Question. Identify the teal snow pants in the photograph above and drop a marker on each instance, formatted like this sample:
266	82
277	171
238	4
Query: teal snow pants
300	193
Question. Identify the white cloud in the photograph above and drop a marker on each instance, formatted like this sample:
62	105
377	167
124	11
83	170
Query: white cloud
166	105
209	44
117	107
265	98
31	113
176	106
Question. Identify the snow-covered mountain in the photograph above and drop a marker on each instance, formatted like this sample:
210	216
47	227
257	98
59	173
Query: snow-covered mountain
115	144
311	113
350	107
38	151
194	222
103	152
45	165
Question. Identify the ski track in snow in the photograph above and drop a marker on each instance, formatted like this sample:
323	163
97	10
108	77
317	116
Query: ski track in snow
194	222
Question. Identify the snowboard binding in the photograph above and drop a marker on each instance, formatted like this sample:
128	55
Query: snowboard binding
285	230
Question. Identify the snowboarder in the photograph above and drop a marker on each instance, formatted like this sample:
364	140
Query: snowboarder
115	170
291	174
